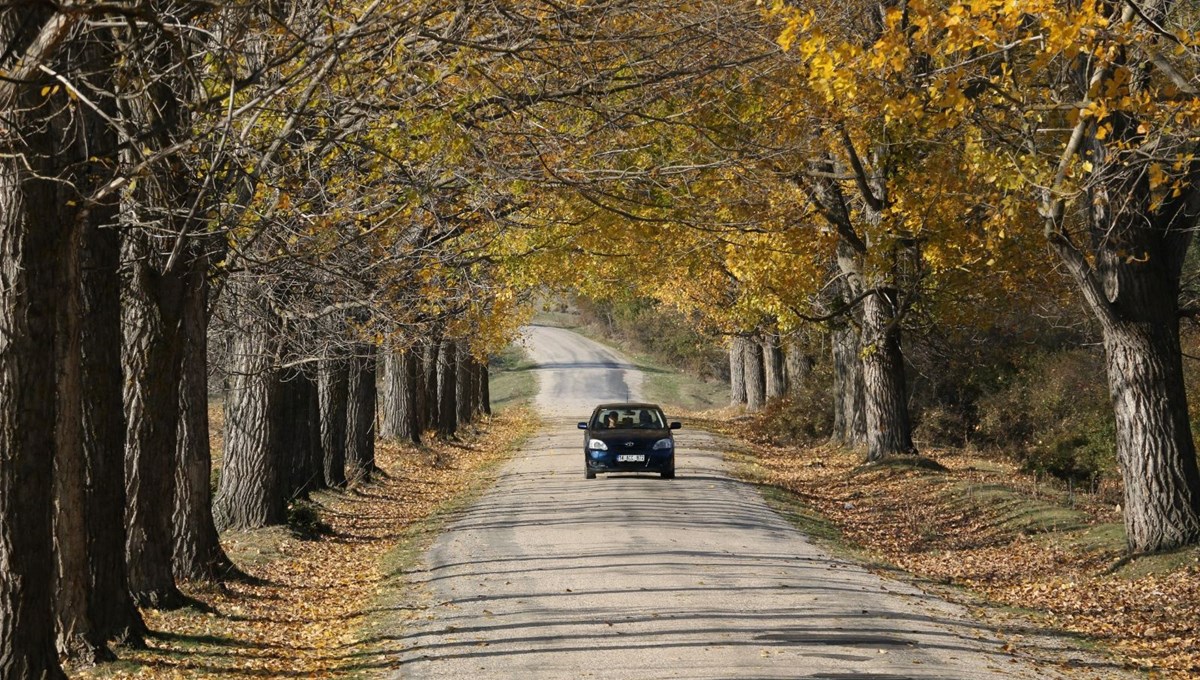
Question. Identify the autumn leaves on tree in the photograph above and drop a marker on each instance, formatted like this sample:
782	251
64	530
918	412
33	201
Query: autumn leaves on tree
270	201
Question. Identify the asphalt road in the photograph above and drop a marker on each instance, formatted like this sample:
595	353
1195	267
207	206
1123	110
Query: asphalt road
550	575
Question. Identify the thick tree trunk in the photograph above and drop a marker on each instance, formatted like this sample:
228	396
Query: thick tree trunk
463	387
77	642
197	554
447	382
773	366
1131	283
30	247
755	375
737	370
150	355
798	365
429	391
114	615
300	433
400	415
889	430
485	388
334	390
1155	448
849	403
360	415
250	493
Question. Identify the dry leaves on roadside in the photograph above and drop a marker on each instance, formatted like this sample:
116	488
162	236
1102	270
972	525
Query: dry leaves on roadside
305	619
974	525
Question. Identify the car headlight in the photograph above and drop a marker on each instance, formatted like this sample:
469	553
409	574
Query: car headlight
663	444
597	444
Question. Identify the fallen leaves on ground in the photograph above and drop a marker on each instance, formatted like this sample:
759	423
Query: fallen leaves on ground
306	617
1006	535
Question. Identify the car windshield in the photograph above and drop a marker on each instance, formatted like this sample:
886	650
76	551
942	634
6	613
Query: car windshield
629	418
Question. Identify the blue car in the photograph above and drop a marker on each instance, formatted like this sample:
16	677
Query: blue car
628	438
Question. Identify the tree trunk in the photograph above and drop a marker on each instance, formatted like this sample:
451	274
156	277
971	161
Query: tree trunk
773	366
30	246
401	419
447	382
151	358
485	388
114	615
360	415
198	555
390	416
755	376
798	365
849	403
250	493
429	391
1131	283
737	370
334	390
77	641
300	433
889	430
463	388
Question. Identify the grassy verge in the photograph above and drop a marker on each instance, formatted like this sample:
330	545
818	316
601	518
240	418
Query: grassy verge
1011	546
513	382
314	608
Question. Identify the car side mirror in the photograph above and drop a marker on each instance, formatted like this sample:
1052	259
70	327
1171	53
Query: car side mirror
676	425
583	426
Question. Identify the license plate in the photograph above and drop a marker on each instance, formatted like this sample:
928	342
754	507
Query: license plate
631	458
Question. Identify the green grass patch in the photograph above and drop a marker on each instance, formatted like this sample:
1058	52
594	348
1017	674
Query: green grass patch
1015	511
512	381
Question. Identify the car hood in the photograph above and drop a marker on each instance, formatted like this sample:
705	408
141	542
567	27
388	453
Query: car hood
637	436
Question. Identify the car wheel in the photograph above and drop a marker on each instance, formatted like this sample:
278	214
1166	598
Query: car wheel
588	473
668	474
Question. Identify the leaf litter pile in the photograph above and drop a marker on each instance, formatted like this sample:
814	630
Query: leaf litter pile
307	617
1017	540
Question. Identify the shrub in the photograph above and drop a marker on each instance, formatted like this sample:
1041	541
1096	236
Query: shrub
1055	416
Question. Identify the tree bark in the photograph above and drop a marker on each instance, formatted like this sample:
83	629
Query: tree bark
849	402
300	433
30	245
390	416
485	388
798	365
737	370
151	353
197	554
429	391
360	415
114	615
773	366
401	418
250	493
755	376
889	430
464	374
447	382
334	390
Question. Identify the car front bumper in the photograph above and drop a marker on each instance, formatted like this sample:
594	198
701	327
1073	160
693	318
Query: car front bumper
608	461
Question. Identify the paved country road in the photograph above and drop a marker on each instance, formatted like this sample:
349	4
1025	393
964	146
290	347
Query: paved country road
550	575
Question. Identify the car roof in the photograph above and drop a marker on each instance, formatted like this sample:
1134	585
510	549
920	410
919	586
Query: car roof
629	404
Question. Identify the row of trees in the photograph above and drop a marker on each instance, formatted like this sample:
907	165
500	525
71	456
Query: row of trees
232	196
917	164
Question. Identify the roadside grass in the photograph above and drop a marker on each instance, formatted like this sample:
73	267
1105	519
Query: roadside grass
1016	549
513	382
323	584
